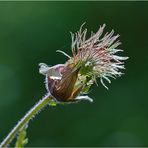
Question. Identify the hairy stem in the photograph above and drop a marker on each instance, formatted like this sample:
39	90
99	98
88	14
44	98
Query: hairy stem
24	121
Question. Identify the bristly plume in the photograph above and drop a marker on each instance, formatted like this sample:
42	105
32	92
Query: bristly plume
98	52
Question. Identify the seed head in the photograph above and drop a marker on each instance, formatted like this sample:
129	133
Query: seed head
92	58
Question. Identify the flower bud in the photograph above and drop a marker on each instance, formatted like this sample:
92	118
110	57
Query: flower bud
92	58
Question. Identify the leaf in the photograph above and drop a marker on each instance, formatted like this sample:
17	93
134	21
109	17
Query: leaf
21	139
52	103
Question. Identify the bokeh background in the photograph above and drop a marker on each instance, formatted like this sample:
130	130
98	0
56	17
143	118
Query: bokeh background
31	32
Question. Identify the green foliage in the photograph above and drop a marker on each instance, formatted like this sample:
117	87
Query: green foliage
21	139
52	103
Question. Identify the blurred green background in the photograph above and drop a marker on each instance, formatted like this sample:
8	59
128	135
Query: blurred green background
31	32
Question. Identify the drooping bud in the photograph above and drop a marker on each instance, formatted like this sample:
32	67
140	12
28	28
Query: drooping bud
92	58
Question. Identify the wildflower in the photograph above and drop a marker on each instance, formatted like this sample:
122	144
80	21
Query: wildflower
92	58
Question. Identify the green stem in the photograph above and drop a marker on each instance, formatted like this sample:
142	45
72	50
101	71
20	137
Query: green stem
24	121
